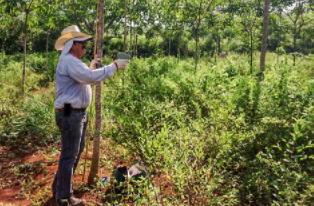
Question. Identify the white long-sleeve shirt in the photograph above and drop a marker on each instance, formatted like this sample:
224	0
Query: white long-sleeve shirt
73	79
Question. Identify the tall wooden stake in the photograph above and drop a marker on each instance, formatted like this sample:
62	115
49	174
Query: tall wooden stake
96	145
89	128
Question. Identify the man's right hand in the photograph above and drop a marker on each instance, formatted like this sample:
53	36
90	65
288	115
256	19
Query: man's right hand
122	63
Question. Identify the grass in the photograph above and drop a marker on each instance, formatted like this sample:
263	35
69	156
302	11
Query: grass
216	137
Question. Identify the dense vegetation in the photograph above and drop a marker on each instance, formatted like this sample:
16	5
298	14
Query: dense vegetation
219	137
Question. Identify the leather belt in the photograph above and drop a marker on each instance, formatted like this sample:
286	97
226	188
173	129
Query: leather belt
74	109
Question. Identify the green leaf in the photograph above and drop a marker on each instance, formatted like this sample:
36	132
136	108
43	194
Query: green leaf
296	128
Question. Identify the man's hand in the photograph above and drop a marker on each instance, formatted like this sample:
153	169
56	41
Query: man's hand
121	63
94	63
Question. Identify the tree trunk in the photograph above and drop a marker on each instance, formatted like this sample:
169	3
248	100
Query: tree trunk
196	49
24	58
306	47
303	42
227	45
264	38
251	33
131	29
169	49
96	145
124	44
47	41
218	44
130	48
294	45
74	13
105	34
187	49
3	52
279	38
209	53
134	41
179	47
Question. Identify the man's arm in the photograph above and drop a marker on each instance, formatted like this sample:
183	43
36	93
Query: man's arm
80	72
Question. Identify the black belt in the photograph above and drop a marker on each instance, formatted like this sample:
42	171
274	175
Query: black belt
68	108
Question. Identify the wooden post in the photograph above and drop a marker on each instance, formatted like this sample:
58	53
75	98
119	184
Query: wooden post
95	159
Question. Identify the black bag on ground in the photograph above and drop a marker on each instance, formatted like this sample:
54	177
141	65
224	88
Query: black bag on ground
122	174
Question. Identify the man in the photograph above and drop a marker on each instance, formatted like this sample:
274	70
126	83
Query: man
73	95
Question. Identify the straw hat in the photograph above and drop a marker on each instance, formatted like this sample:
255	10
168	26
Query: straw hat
69	33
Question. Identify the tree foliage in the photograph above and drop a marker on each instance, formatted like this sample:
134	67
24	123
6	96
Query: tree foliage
216	26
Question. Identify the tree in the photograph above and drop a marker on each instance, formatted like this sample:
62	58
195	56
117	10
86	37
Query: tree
165	21
249	12
296	16
28	10
49	18
219	21
95	158
307	35
279	33
195	12
170	20
264	39
124	35
137	21
125	31
6	21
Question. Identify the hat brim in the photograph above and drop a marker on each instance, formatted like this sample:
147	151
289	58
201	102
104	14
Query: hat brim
66	37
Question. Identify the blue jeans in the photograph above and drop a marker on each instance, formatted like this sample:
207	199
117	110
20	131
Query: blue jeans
73	131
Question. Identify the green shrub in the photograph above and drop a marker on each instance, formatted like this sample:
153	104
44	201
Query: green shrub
33	122
219	131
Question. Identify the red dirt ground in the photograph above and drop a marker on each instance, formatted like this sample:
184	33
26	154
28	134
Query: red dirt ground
18	183
11	186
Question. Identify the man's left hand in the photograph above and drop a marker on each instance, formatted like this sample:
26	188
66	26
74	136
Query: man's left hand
94	63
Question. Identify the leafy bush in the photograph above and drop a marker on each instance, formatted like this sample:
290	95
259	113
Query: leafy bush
280	50
33	122
37	64
218	137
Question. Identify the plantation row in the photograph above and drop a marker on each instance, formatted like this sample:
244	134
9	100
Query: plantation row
219	136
